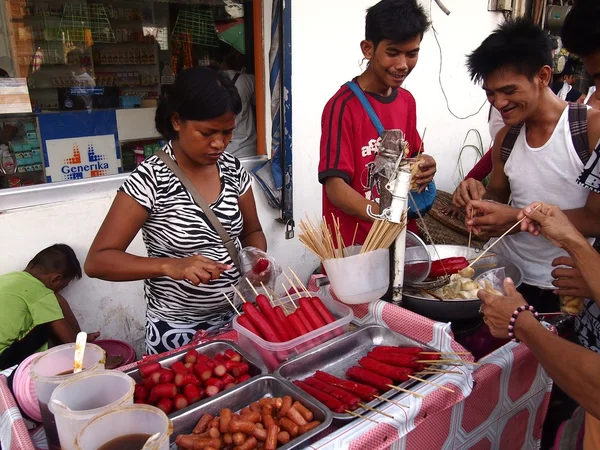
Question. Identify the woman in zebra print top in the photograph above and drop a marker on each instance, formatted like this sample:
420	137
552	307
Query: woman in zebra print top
188	268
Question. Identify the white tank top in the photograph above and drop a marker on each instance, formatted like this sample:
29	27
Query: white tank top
546	174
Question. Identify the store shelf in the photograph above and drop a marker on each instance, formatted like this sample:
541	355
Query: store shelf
122	64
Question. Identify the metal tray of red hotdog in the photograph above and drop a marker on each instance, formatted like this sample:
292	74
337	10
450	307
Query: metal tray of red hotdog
192	377
267	411
356	367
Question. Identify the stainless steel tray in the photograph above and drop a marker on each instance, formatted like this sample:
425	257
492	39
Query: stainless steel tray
338	355
210	349
243	395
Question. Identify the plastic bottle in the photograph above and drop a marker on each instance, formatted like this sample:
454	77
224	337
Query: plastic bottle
7	162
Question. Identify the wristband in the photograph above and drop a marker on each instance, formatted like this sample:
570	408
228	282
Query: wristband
513	319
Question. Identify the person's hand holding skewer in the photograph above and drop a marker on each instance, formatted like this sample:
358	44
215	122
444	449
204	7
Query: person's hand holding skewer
485	217
550	222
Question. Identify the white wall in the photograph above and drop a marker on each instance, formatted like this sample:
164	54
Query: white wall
325	54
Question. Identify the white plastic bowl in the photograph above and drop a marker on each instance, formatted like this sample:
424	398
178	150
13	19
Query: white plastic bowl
359	278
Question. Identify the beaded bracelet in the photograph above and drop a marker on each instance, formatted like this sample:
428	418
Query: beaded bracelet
513	319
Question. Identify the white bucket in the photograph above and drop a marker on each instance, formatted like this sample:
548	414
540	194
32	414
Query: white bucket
361	278
87	397
134	419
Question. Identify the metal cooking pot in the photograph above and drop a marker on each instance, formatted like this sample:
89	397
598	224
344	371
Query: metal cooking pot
452	310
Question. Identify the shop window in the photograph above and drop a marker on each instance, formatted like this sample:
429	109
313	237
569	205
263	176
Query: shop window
94	71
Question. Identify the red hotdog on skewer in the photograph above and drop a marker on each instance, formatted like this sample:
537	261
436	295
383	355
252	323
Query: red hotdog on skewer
418	351
365	392
397	360
269	313
302	316
287	326
297	324
260	323
343	396
395	373
367	377
332	403
245	322
311	314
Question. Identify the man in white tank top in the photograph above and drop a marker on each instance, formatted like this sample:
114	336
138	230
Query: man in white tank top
534	156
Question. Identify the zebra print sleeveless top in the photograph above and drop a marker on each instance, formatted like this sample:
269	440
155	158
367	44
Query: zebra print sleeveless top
177	228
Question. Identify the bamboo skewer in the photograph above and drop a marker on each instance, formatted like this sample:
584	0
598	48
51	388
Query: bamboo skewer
362	405
231	303
266	291
300	282
252	286
239	294
431	382
292	285
444	361
354	236
391	401
470	232
405	390
361	416
287	292
500	238
422	140
430	370
445	353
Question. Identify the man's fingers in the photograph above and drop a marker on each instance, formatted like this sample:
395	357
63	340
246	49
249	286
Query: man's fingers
563	261
565	272
509	287
485	296
563	292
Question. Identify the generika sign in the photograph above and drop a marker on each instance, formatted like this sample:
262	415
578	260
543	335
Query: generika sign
81	157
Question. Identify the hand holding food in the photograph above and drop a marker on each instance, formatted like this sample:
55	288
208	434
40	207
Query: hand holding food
267	423
196	269
498	309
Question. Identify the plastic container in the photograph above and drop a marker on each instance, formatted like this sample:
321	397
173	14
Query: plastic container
273	354
359	278
45	370
24	389
135	419
88	396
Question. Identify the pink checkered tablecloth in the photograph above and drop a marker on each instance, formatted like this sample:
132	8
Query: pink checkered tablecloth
500	404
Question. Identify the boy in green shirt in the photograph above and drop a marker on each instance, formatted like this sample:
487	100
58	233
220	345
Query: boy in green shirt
32	308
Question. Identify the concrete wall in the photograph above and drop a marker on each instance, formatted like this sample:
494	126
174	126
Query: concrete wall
326	53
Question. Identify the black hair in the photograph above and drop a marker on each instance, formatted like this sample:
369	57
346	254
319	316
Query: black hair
518	44
199	93
395	20
58	258
581	32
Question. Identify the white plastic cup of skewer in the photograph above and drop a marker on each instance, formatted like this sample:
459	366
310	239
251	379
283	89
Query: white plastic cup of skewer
359	278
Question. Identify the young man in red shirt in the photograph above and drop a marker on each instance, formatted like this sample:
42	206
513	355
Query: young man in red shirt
349	140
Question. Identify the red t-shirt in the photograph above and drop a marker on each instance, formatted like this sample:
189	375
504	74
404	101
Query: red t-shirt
349	142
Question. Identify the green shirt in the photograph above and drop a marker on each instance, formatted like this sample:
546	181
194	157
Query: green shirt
25	303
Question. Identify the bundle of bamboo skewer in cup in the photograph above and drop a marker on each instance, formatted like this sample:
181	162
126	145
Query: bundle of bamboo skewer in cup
358	274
